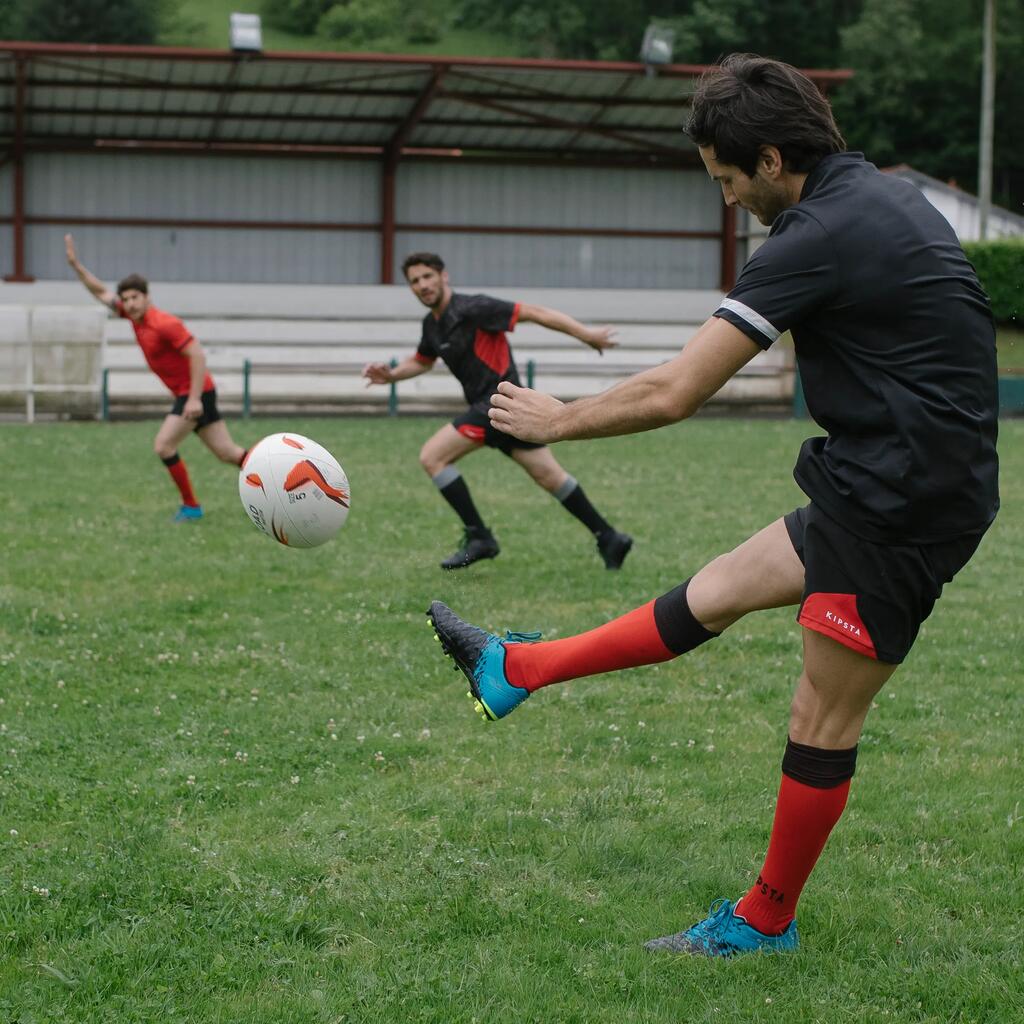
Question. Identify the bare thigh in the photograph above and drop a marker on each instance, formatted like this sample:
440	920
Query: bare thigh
172	432
763	572
217	438
444	448
542	466
834	693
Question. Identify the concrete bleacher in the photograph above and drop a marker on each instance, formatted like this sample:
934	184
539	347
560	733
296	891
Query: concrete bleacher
306	345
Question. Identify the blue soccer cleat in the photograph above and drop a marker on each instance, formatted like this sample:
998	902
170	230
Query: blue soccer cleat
481	657
724	933
188	514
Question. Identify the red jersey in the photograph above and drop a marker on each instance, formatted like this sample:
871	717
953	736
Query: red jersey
161	337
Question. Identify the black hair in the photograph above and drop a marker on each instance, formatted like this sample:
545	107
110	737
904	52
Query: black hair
428	259
746	102
133	283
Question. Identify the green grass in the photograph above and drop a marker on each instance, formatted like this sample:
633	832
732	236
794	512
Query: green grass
253	791
204	23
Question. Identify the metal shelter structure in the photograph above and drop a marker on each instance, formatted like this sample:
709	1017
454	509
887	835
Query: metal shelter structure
77	99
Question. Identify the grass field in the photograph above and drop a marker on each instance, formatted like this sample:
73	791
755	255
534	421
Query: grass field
239	783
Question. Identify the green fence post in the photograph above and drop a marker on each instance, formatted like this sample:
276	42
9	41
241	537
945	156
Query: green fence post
531	368
246	393
393	393
105	395
799	402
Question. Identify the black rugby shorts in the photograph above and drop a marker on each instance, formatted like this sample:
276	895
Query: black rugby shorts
210	411
475	424
870	597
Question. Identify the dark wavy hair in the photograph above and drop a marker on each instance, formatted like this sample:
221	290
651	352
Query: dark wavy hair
133	283
428	259
746	102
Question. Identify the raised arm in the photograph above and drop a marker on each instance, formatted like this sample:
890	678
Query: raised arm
93	283
381	373
598	338
664	394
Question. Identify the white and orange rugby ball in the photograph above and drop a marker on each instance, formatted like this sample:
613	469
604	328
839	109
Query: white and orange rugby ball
294	490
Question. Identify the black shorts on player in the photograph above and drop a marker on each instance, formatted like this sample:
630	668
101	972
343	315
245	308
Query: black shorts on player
475	424
211	414
870	597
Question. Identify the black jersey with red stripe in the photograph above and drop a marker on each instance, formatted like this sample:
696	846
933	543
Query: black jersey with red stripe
470	338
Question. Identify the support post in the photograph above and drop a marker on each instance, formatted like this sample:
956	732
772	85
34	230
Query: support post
18	176
105	395
531	369
389	169
393	393
727	271
387	217
246	391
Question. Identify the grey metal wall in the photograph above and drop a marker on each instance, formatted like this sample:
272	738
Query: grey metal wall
181	188
554	197
204	188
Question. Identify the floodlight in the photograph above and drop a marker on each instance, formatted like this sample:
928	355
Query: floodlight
656	47
246	34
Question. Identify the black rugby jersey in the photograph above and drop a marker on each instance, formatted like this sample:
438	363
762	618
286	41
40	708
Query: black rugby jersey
470	338
896	349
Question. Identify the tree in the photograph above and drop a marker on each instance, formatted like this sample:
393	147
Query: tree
90	21
916	90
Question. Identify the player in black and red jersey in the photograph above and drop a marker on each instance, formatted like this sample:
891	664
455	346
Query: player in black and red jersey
468	333
177	358
896	349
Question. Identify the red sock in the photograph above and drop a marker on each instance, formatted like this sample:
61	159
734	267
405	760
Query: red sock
630	640
180	476
804	817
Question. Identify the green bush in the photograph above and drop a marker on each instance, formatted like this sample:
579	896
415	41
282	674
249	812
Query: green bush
360	21
298	16
1000	267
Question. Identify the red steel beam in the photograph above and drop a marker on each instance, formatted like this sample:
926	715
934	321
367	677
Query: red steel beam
538	231
389	171
389	122
340	90
493	154
638	143
18	220
182	53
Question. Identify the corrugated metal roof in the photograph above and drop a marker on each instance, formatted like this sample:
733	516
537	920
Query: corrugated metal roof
70	96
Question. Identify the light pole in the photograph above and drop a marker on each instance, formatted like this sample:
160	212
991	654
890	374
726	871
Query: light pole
988	94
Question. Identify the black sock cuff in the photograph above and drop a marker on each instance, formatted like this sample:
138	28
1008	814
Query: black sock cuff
171	460
817	767
678	628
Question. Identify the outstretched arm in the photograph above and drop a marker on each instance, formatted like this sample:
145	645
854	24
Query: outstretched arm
381	373
93	283
598	338
664	394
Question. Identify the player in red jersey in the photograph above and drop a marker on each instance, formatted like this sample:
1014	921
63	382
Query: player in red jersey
177	358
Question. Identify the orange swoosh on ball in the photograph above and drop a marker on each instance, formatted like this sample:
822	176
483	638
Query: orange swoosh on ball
253	480
293	444
306	472
279	533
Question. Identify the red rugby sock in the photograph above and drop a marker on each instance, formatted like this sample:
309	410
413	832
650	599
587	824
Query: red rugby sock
180	476
630	640
804	818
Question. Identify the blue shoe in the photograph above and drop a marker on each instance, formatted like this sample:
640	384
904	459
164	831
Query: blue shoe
188	513
724	933
481	657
